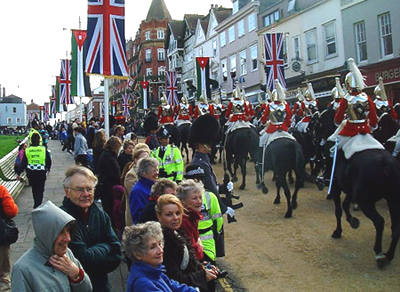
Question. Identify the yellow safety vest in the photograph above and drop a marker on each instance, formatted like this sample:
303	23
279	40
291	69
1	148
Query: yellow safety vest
172	162
36	156
31	132
212	215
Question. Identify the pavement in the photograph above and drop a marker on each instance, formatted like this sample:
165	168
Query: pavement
54	192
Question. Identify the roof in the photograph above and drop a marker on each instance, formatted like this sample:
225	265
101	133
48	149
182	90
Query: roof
265	4
11	99
204	24
158	10
177	28
33	107
191	20
222	13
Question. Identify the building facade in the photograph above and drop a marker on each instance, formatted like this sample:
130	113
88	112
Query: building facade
12	112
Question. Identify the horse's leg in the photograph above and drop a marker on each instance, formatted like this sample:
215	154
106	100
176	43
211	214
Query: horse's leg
290	177
353	221
235	167
281	179
229	158
278	195
243	170
187	152
394	216
335	193
370	211
297	186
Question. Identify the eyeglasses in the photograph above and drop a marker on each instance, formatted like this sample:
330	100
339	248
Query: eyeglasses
82	190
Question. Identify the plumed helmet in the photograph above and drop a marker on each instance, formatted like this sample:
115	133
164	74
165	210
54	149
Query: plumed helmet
184	99
280	91
299	95
150	122
204	130
379	90
309	94
354	79
163	99
163	133
203	97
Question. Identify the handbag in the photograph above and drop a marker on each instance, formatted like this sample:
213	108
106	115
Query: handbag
8	229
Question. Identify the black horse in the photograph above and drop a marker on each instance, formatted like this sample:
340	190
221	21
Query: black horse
365	178
184	133
281	156
387	128
239	144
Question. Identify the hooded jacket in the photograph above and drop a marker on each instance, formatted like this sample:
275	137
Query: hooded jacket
32	272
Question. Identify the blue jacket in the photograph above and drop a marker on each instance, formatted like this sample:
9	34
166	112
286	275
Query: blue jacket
145	278
139	197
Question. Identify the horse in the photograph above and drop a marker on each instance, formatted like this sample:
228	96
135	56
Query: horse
365	178
238	145
184	133
387	128
281	156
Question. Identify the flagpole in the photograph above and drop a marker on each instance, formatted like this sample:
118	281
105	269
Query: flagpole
106	109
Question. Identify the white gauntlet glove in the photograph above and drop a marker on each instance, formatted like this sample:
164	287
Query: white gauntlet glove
229	186
230	211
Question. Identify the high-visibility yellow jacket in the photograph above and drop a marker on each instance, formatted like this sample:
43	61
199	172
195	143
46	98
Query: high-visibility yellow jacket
210	226
171	162
31	132
36	157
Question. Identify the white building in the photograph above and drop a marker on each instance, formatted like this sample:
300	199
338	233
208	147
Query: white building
12	112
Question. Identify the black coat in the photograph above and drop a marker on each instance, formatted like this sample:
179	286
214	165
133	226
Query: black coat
123	159
194	274
93	242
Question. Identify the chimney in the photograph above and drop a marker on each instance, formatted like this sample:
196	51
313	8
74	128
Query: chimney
4	92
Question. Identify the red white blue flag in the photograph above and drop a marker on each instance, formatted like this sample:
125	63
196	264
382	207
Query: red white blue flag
53	102
46	117
171	87
274	62
65	83
106	38
125	105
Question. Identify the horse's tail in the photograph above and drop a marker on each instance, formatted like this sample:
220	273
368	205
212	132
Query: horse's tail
300	164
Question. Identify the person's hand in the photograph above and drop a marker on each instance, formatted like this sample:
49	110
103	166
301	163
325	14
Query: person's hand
210	275
230	211
65	265
229	186
19	178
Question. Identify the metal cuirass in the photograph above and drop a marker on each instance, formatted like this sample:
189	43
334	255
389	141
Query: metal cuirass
166	110
203	108
277	112
238	106
358	107
184	109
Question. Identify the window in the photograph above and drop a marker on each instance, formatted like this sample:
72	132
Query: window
147	35
160	34
14	110
361	41
291	5
241	28
385	32
252	21
148	55
160	54
149	72
235	6
253	57
330	38
232	61
231	33
222	39
271	18
284	50
9	121
18	120
296	48
224	69
311	42
161	71
214	47
243	68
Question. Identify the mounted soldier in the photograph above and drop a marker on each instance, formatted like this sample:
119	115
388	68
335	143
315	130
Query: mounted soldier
382	103
310	109
184	112
237	111
298	108
202	107
165	112
216	107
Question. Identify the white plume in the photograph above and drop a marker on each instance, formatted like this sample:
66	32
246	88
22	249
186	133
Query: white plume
359	79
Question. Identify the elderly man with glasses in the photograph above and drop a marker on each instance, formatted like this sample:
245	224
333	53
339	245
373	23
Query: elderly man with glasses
93	241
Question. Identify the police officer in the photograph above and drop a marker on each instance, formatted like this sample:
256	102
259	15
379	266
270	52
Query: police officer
169	157
34	129
36	162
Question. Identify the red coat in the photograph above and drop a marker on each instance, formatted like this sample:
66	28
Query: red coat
288	117
244	116
351	129
9	207
190	223
299	108
196	112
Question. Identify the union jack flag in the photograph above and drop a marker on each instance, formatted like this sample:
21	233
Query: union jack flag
65	83
125	105
46	112
274	62
106	38
53	101
171	85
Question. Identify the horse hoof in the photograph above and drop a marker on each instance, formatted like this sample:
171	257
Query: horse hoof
277	201
337	234
258	186
288	215
234	179
320	185
354	222
294	205
381	260
356	207
329	197
264	189
242	187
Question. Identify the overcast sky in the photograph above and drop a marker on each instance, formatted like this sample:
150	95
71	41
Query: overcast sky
33	38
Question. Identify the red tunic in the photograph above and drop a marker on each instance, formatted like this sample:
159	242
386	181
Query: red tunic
288	117
299	108
351	129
